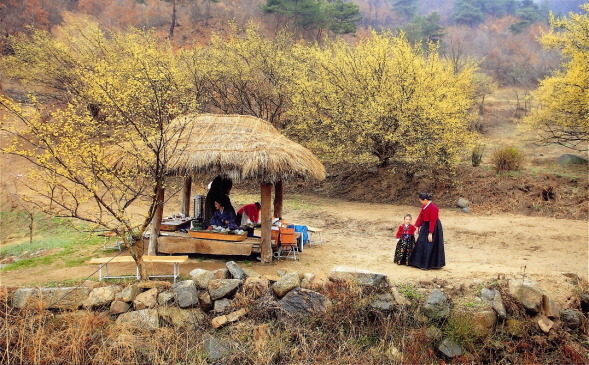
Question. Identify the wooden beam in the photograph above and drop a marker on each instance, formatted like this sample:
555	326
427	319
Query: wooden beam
186	189
278	199
266	216
155	222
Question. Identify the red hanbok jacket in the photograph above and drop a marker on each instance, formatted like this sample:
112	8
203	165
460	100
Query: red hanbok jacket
252	212
405	230
429	213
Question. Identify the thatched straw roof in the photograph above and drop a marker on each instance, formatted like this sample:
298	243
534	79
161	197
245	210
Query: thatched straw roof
243	147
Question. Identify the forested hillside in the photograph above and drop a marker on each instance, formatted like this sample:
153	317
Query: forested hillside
502	34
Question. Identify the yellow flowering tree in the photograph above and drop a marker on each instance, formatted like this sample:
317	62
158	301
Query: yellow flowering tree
108	141
242	73
383	97
562	116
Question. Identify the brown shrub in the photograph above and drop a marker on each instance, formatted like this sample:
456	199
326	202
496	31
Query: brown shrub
507	159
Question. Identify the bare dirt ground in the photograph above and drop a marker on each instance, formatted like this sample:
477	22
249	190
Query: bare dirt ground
359	235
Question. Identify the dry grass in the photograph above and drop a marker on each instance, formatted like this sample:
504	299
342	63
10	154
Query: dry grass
350	332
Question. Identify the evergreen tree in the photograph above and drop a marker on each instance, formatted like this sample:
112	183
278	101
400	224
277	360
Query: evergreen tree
406	8
425	29
338	16
469	12
527	13
343	16
500	8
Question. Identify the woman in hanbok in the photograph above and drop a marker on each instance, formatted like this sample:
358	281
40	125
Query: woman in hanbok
429	247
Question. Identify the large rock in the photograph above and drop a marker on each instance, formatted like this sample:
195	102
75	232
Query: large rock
228	318
221	305
255	287
128	294
545	323
437	305
205	302
569	159
303	302
384	302
527	293
358	276
202	277
493	298
166	297
51	298
186	294
223	288
462	203
481	323
222	274
550	307
118	307
190	319
450	348
585	302
143	319
147	299
100	297
286	283
307	280
571	318
235	271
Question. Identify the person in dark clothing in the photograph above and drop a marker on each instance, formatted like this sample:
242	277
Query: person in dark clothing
223	217
220	188
429	247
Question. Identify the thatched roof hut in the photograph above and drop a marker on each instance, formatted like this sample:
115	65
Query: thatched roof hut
243	147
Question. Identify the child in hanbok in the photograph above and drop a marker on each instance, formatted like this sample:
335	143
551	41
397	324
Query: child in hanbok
406	243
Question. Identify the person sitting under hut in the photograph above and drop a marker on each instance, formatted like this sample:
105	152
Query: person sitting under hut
249	214
224	215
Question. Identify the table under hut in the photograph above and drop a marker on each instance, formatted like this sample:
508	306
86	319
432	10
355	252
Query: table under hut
241	148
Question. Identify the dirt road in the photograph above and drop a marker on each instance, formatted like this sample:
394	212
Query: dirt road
359	235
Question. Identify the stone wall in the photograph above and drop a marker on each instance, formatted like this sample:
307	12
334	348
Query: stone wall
216	298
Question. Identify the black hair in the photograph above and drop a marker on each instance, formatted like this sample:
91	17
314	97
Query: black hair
426	196
221	185
225	202
258	205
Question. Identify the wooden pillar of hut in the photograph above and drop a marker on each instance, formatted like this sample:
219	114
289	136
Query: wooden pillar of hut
266	242
278	199
155	222
186	189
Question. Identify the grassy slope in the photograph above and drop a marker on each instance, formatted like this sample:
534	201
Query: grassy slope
54	241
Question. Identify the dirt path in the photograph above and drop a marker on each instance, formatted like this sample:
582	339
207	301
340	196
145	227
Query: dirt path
359	235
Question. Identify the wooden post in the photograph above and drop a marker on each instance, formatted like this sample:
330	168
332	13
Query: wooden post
185	208
266	243
278	199
155	223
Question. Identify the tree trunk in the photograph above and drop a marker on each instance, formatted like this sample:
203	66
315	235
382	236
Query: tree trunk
185	208
266	243
278	197
136	251
155	223
173	24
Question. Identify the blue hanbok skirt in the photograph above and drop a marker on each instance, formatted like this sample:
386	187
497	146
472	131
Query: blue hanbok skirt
429	255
